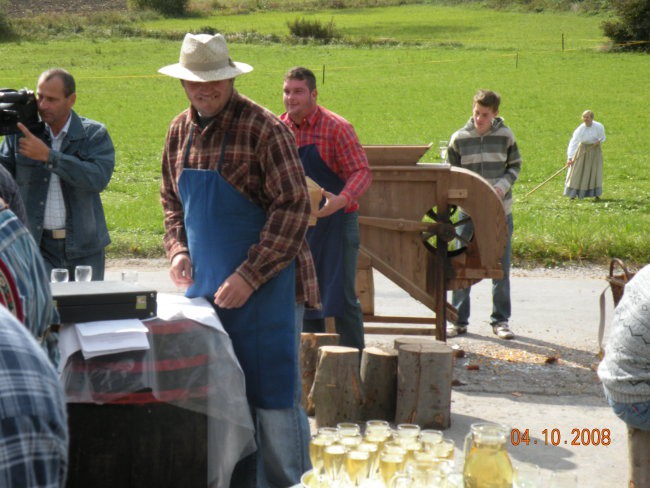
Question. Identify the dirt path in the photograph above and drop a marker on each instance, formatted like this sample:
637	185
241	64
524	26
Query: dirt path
23	8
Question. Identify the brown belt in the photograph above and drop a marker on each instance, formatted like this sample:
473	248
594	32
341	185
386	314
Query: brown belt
55	233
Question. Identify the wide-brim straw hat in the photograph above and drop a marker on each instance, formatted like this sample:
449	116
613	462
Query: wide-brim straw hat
205	57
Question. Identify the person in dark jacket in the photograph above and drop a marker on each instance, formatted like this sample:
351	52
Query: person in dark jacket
61	174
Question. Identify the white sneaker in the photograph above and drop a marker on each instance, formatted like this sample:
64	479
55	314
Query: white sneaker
502	331
456	330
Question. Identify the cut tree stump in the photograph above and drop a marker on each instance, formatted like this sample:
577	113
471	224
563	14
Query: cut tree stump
401	341
379	380
337	392
638	442
424	376
309	344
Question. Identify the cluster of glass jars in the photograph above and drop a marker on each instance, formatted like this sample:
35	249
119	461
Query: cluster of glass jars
404	457
410	457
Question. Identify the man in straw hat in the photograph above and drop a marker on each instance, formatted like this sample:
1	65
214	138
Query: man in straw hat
236	210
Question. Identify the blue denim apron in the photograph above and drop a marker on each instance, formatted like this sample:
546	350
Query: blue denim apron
221	225
325	238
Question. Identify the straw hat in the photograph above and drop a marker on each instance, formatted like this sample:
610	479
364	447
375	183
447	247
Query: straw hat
204	57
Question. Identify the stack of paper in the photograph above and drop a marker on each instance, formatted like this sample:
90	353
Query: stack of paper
111	336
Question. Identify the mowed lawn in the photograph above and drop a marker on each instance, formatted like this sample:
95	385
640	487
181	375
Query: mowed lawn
413	92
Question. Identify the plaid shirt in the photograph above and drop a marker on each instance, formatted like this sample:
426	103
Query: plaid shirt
261	162
20	253
33	426
339	146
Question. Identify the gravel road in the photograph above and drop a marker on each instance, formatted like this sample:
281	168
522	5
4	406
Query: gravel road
548	357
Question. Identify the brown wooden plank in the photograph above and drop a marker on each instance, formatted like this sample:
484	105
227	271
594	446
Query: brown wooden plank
395	154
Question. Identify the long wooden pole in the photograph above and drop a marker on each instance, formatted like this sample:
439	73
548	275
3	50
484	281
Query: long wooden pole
546	180
559	170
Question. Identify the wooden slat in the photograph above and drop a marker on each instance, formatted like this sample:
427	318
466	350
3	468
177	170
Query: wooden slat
401	225
395	154
400	330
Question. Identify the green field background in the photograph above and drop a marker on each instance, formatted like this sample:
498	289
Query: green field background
401	75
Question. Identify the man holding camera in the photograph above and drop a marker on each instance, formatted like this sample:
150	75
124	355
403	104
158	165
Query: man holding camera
61	173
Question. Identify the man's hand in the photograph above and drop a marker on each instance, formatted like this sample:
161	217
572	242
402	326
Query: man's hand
181	270
332	204
499	192
233	293
31	146
569	161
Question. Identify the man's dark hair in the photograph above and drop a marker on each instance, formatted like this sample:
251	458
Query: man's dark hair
488	98
302	74
69	86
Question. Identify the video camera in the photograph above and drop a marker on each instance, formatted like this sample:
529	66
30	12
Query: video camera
18	106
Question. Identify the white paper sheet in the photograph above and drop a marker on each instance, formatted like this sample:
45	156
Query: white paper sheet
177	307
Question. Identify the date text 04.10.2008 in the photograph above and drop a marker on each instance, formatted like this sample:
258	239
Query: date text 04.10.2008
553	437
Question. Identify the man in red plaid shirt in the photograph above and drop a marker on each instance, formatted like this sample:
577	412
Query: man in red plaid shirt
333	157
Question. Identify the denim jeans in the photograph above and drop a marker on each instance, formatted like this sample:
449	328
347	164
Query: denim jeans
53	252
282	438
635	415
501	307
350	325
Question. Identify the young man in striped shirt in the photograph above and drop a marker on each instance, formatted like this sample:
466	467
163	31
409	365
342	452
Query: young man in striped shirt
486	146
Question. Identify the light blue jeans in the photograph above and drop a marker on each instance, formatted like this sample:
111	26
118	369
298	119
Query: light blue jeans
282	437
501	307
635	415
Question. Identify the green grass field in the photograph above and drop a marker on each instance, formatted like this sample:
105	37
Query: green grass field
416	90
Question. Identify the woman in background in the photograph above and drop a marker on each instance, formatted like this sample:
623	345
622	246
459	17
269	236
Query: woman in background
585	159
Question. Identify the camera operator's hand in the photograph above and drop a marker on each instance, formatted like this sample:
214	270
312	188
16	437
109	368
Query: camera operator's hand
31	146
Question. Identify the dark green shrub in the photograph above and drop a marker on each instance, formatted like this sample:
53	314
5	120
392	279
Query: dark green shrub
6	31
165	7
312	29
631	29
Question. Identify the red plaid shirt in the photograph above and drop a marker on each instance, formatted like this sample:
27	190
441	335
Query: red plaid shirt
339	146
261	161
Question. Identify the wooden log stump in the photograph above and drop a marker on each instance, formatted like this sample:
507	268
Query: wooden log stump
638	443
336	392
402	341
379	381
424	376
309	344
